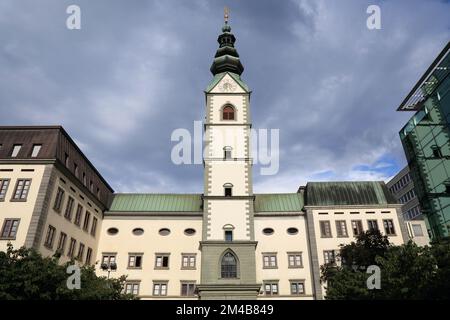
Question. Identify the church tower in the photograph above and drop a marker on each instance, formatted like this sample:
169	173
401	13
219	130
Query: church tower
228	242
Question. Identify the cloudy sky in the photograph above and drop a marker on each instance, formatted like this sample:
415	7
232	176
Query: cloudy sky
137	69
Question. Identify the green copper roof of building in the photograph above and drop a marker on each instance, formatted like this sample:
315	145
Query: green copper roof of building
133	202
348	193
278	202
219	77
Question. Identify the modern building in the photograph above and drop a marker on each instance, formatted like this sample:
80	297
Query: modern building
402	187
426	141
226	243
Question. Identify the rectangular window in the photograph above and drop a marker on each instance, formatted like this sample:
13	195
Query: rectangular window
389	227
187	288
269	261
132	288
162	261
80	252
69	209
4	183
329	256
9	229
227	154
94	226
270	288
295	260
372	224
357	227
87	217
228	235
88	256
160	288
325	229
78	215
35	151
297	287
228	192
15	150
188	261
73	244
59	199
417	230
62	243
50	237
108	258
22	188
341	229
134	261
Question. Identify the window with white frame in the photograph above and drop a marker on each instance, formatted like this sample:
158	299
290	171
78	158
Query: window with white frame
188	261
270	288
295	260
269	260
160	288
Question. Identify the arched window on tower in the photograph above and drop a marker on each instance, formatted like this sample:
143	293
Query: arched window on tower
228	113
229	266
227	153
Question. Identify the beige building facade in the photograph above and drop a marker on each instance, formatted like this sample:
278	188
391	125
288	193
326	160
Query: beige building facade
226	243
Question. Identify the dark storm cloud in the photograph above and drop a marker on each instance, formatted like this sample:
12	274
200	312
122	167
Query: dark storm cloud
137	70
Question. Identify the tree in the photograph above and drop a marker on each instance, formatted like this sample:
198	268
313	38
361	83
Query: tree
407	271
348	280
26	275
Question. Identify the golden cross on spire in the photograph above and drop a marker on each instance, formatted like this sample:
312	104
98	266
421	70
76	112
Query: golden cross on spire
226	11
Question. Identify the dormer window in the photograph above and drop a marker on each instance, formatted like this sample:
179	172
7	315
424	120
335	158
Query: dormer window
228	113
227	153
228	187
35	151
15	150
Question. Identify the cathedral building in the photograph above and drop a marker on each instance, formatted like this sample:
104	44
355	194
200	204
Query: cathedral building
226	243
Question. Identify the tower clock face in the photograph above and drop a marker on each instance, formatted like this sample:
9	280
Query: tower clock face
227	86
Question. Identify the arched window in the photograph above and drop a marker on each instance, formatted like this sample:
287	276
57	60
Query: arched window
228	113
229	266
227	153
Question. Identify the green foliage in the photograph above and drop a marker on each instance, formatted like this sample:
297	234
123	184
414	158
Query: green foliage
26	275
407	271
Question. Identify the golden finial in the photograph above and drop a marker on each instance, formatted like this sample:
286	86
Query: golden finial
226	12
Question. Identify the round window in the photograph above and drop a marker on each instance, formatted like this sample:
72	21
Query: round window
164	232
112	231
268	231
292	231
138	231
189	232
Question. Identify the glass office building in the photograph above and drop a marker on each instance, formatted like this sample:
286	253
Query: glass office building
426	141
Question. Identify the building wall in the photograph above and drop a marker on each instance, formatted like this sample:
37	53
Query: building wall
283	243
22	210
348	214
417	232
402	187
63	224
425	139
150	243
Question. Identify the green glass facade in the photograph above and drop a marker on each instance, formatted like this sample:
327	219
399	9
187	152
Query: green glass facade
426	141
